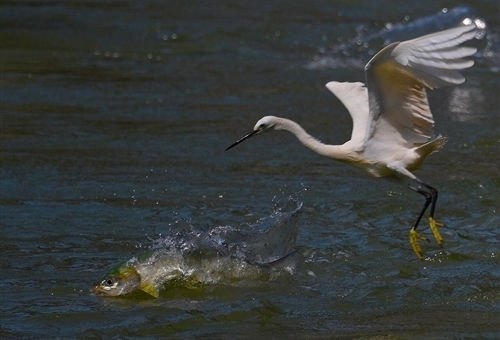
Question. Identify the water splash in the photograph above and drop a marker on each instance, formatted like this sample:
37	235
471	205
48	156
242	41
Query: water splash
356	52
192	257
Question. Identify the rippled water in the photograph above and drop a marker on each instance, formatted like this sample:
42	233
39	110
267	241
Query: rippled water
114	118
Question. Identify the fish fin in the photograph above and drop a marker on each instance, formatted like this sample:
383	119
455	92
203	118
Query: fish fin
277	261
151	290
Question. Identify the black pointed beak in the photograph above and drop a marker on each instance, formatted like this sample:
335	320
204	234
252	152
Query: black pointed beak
245	137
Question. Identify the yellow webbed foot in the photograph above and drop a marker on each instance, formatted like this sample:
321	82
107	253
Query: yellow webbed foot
414	237
434	228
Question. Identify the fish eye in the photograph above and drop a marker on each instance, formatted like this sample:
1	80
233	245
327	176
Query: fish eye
108	284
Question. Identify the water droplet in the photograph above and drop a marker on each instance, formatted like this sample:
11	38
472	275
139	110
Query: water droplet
480	23
467	21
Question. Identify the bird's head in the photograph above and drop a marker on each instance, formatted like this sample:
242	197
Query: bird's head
264	124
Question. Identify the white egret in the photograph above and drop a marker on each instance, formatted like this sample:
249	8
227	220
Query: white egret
392	121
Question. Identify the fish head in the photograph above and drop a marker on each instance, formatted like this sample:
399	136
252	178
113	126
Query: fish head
120	281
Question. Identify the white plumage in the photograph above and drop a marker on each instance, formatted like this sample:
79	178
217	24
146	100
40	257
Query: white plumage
392	122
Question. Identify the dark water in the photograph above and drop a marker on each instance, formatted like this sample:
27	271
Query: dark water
114	118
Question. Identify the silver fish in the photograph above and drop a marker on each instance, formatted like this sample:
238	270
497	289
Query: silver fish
195	258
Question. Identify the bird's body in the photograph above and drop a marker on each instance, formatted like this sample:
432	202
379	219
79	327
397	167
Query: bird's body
377	158
392	122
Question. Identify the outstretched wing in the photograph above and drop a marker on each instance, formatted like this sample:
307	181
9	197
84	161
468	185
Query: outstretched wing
397	78
354	96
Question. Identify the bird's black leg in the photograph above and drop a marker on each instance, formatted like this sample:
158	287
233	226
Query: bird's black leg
432	222
428	200
434	194
414	235
431	196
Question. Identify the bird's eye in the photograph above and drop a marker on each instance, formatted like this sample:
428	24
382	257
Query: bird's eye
109	282
263	126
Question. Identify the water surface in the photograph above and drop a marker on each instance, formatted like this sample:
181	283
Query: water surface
114	117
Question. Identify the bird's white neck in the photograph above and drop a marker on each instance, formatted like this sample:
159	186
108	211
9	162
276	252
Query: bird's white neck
338	152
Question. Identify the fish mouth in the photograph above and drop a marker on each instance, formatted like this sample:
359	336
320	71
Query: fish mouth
97	290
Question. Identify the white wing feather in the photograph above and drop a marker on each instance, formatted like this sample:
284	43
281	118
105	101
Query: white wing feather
435	57
354	96
397	76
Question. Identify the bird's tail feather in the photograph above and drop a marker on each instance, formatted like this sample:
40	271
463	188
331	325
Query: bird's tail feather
432	146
